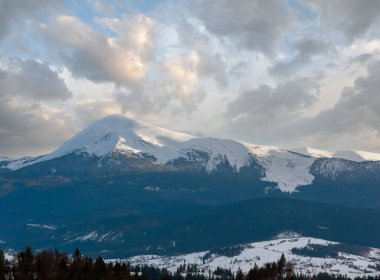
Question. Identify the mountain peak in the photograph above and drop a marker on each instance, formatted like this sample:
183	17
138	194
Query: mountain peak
117	132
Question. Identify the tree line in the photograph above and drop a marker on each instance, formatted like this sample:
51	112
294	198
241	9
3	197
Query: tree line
54	265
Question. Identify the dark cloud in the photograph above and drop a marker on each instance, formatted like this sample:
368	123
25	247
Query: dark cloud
361	59
353	18
352	123
266	104
32	80
31	129
306	49
253	24
27	126
357	110
14	12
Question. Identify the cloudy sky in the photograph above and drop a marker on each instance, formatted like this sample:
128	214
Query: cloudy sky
290	73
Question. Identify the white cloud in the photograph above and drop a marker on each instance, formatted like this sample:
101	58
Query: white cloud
91	54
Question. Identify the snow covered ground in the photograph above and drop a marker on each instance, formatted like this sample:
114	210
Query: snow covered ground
268	251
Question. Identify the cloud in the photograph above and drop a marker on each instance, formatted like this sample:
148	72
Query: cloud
183	80
33	80
353	18
263	117
135	33
361	58
138	102
356	113
194	60
95	56
14	12
252	24
89	111
105	8
212	62
266	105
307	49
31	129
176	82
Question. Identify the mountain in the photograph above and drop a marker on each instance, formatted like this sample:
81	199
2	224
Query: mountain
123	187
143	147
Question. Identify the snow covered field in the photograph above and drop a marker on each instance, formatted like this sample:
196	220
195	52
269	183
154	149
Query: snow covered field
269	251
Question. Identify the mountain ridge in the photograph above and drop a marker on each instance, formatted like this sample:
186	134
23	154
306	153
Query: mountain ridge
119	136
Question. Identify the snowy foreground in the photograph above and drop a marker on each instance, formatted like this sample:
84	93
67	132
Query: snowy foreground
365	264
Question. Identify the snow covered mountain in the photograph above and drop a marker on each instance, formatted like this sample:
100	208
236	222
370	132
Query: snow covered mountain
116	136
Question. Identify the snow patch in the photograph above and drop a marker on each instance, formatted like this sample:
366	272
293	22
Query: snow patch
41	226
287	234
307	151
219	150
358	156
98	237
289	170
355	155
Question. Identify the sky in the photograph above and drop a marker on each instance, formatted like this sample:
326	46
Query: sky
289	73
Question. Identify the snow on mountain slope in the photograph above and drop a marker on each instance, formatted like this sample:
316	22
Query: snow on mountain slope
14	164
307	151
235	152
263	252
124	135
130	136
357	156
289	170
118	134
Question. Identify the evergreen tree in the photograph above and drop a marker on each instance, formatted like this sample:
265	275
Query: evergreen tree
3	266
239	275
281	264
100	268
77	255
25	262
